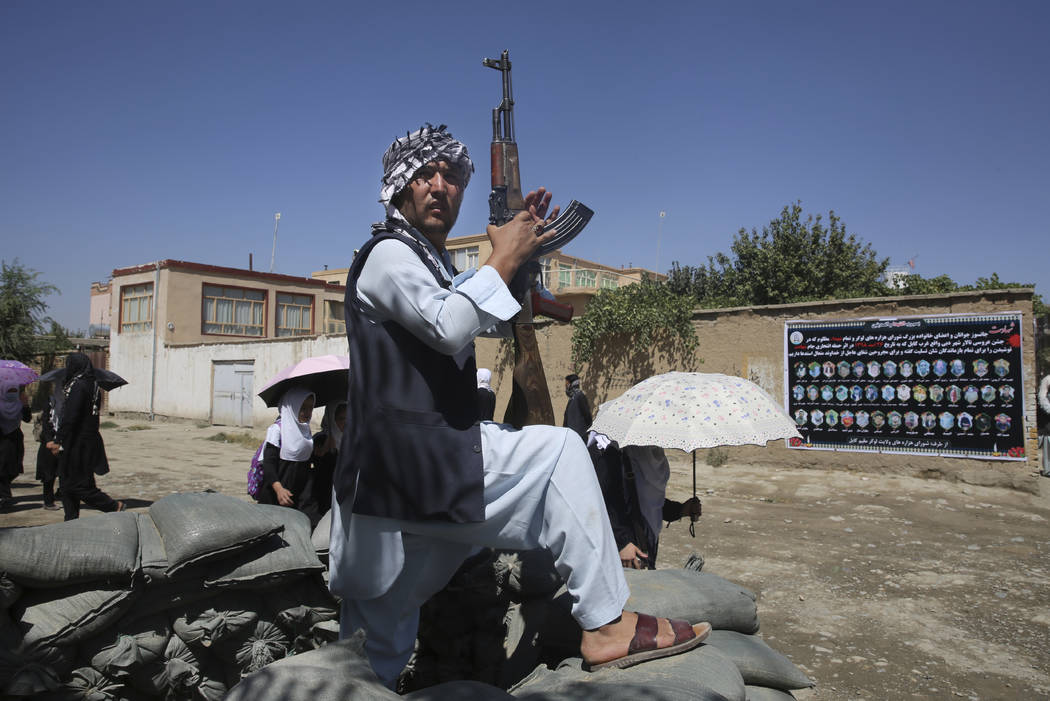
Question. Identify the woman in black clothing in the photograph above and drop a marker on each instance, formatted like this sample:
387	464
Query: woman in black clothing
14	409
78	443
287	474
46	462
326	452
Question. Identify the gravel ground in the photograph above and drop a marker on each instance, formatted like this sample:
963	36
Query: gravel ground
878	587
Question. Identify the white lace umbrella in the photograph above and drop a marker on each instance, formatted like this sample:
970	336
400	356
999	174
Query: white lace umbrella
690	410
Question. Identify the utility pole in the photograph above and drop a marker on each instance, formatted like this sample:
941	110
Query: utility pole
659	234
273	250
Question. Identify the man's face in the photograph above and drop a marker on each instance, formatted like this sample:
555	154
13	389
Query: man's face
431	201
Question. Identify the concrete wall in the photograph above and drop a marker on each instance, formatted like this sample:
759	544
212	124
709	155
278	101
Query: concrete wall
184	377
749	342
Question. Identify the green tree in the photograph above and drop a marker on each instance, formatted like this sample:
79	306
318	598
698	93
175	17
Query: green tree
795	258
22	310
636	318
918	285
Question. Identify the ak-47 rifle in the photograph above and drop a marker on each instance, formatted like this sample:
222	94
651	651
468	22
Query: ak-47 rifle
530	401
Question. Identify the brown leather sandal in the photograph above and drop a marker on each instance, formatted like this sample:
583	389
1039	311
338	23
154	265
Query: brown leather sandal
643	645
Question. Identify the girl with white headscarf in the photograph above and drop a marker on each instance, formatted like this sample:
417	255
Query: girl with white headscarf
486	397
287	473
14	409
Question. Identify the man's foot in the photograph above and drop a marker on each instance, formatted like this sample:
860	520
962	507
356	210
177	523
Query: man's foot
121	506
52	507
635	638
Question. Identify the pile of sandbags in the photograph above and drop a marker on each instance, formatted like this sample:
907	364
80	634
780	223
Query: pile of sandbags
505	620
177	603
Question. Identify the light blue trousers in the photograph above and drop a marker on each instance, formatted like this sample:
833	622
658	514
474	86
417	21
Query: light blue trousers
540	491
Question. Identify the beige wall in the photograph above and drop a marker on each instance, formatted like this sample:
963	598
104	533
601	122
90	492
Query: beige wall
179	302
749	342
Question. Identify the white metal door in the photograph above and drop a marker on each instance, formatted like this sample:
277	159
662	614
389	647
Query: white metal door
232	392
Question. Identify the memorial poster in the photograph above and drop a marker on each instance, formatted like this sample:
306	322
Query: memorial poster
946	385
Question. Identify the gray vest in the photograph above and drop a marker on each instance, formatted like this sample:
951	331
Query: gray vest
412	441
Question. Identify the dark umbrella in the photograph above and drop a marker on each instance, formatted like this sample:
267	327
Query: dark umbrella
327	376
106	380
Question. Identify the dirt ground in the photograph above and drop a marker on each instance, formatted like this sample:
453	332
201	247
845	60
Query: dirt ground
878	587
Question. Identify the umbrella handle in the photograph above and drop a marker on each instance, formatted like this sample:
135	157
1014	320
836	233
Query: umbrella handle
692	519
694	472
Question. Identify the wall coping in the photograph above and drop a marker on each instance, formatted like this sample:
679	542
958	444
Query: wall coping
1021	292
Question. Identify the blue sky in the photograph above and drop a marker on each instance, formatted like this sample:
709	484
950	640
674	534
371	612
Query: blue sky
132	132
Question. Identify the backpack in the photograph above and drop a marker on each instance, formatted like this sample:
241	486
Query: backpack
255	472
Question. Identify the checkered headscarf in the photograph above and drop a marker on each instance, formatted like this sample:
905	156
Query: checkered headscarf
412	151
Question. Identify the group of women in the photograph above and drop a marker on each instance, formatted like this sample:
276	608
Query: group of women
298	466
71	446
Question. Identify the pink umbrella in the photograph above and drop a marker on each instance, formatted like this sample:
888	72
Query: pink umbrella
13	371
327	376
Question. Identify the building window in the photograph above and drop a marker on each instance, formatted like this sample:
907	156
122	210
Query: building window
336	322
564	275
136	308
609	283
233	311
585	278
545	272
294	314
464	258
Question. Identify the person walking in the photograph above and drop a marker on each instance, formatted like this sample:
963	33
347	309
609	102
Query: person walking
578	410
78	442
1043	424
486	397
46	461
14	410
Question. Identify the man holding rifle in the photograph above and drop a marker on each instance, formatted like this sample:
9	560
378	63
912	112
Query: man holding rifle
420	483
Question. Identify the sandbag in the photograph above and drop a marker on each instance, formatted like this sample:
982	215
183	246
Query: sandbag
20	678
177	674
10	633
465	690
700	674
203	526
88	684
159	598
91	549
298	608
29	673
335	672
758	663
140	642
539	631
692	596
227	617
10	590
764	693
321	534
152	558
263	644
71	615
529	573
280	556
